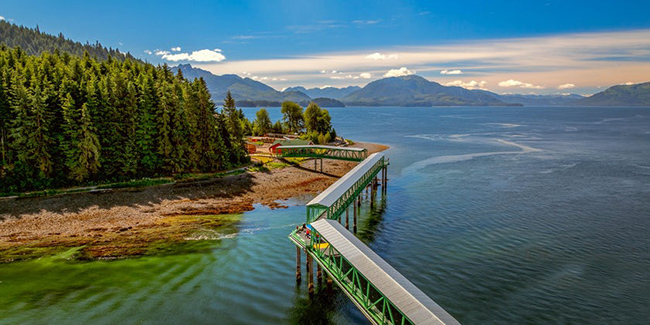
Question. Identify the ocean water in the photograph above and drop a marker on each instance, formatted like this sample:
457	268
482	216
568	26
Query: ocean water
501	215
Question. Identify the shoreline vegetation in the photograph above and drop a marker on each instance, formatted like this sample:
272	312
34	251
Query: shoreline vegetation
138	221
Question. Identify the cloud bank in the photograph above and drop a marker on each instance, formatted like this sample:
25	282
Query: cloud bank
587	59
518	84
451	72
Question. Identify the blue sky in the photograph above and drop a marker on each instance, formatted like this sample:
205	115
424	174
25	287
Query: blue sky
504	46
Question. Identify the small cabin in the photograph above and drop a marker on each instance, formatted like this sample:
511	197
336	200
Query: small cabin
296	142
251	148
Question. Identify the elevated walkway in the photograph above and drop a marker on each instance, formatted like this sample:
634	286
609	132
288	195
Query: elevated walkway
381	293
332	202
319	151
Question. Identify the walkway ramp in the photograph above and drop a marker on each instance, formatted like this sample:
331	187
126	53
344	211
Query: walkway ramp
321	151
398	300
333	201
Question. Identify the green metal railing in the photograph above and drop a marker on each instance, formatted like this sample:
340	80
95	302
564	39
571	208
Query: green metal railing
327	152
366	295
316	211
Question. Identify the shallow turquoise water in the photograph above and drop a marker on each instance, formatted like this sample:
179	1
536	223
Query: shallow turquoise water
501	215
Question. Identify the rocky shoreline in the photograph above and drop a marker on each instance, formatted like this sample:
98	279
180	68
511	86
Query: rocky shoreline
129	222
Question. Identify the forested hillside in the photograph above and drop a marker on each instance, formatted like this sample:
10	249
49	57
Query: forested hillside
33	42
68	120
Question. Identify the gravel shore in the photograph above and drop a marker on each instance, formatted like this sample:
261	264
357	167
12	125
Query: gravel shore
110	219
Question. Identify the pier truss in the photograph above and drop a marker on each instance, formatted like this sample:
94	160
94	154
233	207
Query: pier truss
327	152
380	292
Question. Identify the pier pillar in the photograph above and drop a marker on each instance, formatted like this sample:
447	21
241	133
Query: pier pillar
310	275
321	165
298	275
315	164
319	274
329	284
354	224
347	217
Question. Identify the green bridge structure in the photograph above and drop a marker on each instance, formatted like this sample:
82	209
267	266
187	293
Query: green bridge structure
319	152
380	292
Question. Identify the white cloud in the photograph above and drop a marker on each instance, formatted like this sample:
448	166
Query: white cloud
148	52
176	49
323	71
566	86
334	71
379	56
629	83
451	72
518	84
399	72
469	85
197	56
341	76
2	18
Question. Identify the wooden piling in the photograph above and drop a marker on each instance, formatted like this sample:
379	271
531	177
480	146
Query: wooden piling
298	275
347	217
310	275
319	274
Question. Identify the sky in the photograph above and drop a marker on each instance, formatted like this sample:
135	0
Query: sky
542	47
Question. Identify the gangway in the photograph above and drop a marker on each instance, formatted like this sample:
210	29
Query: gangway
322	151
332	202
382	294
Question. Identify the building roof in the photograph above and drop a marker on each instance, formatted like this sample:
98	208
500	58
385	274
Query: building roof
296	142
414	303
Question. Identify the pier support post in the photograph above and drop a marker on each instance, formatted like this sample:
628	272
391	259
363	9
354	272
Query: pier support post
329	284
310	275
347	217
321	165
319	274
354	224
298	275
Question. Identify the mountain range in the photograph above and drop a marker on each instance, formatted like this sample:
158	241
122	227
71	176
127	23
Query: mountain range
622	95
409	90
244	90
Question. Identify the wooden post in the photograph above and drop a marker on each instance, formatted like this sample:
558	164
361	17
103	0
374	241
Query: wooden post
298	275
315	164
319	274
347	217
321	165
310	275
354	224
329	284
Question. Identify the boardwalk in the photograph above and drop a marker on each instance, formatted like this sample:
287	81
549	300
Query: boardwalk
416	306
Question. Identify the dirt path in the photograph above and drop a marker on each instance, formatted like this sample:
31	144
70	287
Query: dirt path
122	222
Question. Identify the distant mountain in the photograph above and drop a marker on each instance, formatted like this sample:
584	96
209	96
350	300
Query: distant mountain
623	95
245	90
535	100
416	91
326	92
